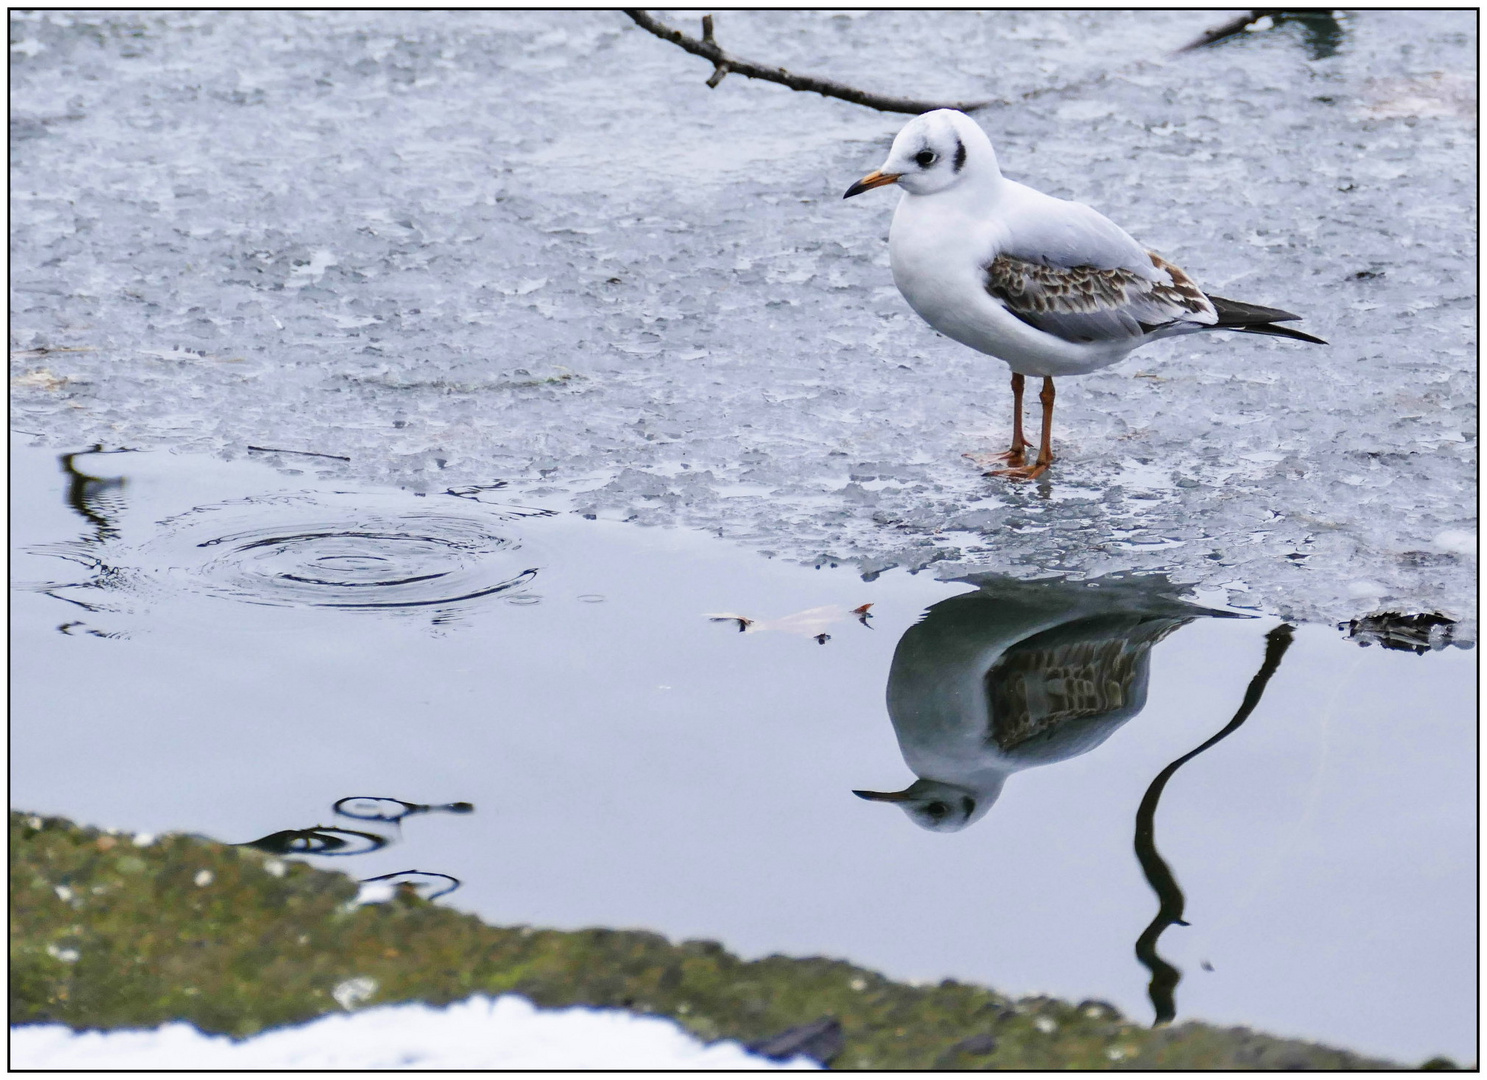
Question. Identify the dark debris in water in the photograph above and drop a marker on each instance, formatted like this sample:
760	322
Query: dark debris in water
319	840
384	808
821	1041
1418	633
975	1046
407	881
235	941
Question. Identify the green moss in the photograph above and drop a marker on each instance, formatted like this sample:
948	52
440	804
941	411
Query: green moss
107	934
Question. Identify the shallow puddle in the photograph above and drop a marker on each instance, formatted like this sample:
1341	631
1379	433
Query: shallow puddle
1093	790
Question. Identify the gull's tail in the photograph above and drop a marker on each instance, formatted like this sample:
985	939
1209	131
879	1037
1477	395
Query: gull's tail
1254	319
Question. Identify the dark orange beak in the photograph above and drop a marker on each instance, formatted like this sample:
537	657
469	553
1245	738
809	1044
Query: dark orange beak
870	181
884	796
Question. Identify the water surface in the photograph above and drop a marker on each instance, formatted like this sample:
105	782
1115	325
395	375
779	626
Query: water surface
226	648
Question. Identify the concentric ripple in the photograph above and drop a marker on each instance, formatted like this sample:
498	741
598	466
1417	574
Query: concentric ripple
343	551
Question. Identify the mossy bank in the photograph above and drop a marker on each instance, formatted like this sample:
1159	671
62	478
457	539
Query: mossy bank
107	932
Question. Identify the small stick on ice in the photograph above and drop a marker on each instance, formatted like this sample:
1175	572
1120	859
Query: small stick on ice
299	453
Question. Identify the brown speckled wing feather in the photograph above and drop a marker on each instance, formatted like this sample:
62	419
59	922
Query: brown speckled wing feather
1089	304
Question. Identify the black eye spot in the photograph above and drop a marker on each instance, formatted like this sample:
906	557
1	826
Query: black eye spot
925	158
937	810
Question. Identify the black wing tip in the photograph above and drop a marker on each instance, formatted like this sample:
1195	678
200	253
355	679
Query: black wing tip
1238	313
1257	319
1275	331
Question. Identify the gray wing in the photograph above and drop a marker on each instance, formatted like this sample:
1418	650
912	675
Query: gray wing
1090	304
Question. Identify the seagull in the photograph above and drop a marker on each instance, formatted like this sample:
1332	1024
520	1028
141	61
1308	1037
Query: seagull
1019	674
1050	287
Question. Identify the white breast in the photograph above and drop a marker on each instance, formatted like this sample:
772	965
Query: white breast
938	256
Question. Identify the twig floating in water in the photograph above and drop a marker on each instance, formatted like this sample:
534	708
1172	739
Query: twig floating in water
723	63
301	453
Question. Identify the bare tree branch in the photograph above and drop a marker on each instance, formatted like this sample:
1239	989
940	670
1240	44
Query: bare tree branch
708	49
1229	29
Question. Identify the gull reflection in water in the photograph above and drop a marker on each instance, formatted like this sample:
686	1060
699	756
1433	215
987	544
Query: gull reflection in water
1018	674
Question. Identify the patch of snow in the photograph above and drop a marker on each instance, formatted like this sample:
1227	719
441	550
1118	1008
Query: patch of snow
478	1033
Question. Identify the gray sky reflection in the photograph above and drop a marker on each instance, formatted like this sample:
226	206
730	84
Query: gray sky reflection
636	765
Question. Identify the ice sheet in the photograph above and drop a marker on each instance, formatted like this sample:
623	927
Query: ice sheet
535	246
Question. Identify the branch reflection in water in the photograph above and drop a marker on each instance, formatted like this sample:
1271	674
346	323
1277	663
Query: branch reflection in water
94	497
99	500
1165	977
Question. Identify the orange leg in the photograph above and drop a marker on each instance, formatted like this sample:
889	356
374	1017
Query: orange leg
1045	448
1015	456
